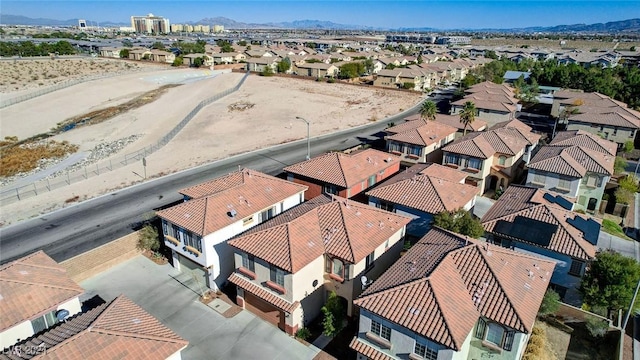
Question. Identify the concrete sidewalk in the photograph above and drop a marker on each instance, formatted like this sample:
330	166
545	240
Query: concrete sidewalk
210	335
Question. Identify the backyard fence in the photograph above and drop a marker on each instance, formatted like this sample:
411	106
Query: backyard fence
69	177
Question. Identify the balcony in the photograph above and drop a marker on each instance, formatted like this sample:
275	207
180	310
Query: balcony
248	273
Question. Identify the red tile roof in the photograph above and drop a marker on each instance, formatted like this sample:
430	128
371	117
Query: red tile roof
345	170
340	228
586	140
425	135
263	293
246	192
445	282
432	189
116	330
31	286
525	201
574	161
367	350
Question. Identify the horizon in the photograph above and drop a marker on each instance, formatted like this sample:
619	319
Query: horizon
375	14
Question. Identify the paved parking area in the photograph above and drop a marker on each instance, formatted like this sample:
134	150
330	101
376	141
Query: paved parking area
210	335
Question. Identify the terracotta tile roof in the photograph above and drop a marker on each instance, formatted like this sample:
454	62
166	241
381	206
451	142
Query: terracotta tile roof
367	350
425	135
340	228
507	138
609	118
585	140
490	86
487	104
264	294
31	286
432	190
345	170
574	161
525	202
116	330
247	192
443	284
454	120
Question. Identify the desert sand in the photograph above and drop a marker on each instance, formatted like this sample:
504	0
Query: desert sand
270	105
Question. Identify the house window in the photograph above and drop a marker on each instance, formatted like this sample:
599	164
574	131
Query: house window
337	267
277	275
494	333
369	260
414	150
44	322
615	132
165	227
576	267
372	181
425	351
591	180
329	189
564	184
381	330
395	147
538	179
247	221
474	163
267	214
451	159
502	160
192	240
386	206
248	262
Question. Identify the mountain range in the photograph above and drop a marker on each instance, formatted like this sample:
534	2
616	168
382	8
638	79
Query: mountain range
631	25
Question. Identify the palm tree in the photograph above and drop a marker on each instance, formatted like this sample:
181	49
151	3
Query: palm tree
467	115
428	110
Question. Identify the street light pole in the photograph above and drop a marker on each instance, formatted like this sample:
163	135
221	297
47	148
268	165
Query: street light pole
308	137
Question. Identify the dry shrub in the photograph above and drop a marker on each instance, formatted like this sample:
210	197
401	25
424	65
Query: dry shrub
536	345
25	157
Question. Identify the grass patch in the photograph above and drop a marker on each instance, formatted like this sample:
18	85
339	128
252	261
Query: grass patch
23	158
612	228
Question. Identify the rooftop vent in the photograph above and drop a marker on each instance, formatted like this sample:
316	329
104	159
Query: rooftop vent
232	213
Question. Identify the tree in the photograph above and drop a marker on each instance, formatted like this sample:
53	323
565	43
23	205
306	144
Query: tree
408	85
550	303
428	110
197	62
158	45
127	43
619	165
284	65
628	146
368	65
419	60
627	186
610	281
459	221
351	70
124	53
468	115
267	71
178	61
242	43
334	314
148	238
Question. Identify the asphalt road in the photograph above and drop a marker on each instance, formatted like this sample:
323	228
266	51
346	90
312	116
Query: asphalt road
71	231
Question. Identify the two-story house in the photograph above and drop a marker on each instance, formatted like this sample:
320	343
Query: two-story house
576	164
450	120
419	140
119	329
345	175
36	294
494	158
286	266
452	297
422	191
533	221
197	230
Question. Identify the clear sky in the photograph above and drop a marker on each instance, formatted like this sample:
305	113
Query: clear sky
393	14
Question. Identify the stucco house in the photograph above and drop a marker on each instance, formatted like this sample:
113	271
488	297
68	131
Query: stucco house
162	56
422	191
139	54
228	58
576	164
110	52
119	329
345	175
450	120
189	59
197	230
387	78
318	70
36	294
286	266
534	221
419	140
261	63
452	297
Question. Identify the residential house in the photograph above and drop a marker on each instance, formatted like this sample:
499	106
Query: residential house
491	108
110	52
419	140
139	54
119	329
317	70
286	266
534	221
411	79
422	191
576	164
228	58
258	53
162	56
493	158
450	120
388	78
345	175
189	59
261	64
197	230
36	294
452	297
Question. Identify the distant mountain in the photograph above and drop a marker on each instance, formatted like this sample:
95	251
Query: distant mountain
613	26
6	19
227	23
297	24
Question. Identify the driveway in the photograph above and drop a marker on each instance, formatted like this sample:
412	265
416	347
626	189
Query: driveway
482	205
625	247
210	335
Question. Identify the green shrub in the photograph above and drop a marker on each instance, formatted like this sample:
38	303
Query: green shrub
148	238
303	333
550	303
597	327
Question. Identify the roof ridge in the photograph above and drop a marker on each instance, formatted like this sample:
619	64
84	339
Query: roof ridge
346	230
340	164
287	224
204	216
21	261
41	284
435	189
136	335
444	319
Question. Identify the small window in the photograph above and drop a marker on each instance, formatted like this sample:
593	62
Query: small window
502	160
474	163
267	214
576	267
381	330
276	275
248	262
425	351
495	333
369	260
247	221
44	322
329	189
372	181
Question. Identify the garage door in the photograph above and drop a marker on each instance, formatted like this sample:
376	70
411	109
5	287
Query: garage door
196	274
264	310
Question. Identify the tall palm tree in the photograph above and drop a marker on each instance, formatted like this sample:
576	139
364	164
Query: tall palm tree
428	110
467	115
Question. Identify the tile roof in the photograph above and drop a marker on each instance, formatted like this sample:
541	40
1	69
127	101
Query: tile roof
612	118
507	138
116	330
263	293
367	350
246	192
430	133
573	160
31	286
433	189
526	202
338	227
585	140
445	282
345	170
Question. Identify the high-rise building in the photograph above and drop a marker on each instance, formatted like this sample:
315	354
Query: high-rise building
218	28
82	24
150	24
